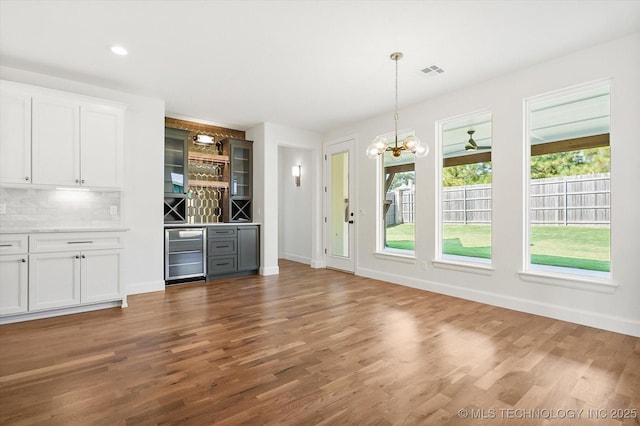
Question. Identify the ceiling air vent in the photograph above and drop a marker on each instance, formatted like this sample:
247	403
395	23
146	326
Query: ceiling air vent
433	70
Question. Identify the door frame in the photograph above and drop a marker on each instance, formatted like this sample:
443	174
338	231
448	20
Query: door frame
347	144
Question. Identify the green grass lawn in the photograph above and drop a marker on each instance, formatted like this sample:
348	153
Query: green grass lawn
550	245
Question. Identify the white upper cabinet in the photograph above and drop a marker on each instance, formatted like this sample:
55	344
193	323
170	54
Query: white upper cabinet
101	137
56	141
63	138
15	135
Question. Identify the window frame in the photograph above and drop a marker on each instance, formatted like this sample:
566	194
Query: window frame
559	276
383	252
468	264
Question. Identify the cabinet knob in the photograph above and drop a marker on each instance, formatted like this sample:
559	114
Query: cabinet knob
83	256
26	178
82	181
23	260
77	256
77	180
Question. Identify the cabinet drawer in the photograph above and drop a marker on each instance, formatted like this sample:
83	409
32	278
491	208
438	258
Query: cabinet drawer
50	243
13	244
221	247
221	265
214	232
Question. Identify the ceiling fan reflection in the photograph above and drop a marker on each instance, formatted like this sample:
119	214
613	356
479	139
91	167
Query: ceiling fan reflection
472	145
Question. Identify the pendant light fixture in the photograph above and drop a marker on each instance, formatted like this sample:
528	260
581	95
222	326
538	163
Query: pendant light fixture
410	144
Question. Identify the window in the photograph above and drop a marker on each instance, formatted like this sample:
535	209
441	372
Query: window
569	186
398	201
465	190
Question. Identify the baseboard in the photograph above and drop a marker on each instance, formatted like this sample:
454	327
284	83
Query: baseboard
296	258
269	270
28	316
318	264
145	287
563	313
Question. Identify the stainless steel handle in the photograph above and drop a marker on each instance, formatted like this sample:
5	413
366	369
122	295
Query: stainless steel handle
79	242
6	245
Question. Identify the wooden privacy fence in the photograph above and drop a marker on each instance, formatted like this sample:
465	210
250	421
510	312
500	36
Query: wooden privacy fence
572	200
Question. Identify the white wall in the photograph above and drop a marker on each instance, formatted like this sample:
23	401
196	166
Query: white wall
295	229
267	138
619	311
142	196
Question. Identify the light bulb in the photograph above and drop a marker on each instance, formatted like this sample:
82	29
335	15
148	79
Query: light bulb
380	143
372	151
410	143
421	151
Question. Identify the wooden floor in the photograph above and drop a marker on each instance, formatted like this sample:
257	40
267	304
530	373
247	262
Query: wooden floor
313	347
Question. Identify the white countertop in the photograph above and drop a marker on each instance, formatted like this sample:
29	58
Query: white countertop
43	230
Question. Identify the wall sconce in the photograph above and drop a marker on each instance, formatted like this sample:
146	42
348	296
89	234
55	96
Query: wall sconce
203	140
295	172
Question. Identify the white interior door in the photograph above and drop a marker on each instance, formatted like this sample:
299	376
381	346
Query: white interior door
339	206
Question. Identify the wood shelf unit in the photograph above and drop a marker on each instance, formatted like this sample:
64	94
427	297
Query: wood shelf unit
208	184
209	158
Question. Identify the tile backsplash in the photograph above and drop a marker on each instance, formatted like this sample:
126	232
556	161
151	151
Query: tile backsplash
35	208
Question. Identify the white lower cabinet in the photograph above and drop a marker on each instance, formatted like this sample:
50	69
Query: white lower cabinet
13	284
59	270
100	276
54	280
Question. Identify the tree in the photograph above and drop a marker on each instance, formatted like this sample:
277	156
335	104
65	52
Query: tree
402	178
467	174
571	163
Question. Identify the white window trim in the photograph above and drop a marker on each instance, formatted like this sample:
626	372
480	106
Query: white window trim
463	265
535	273
468	264
382	252
404	256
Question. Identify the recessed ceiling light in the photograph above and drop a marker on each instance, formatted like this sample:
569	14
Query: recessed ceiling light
119	50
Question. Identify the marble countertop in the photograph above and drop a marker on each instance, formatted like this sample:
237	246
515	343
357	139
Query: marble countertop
44	230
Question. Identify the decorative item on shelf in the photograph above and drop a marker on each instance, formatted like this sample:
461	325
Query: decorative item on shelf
410	144
296	171
203	140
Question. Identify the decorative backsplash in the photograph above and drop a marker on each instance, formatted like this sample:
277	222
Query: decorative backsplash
217	133
38	208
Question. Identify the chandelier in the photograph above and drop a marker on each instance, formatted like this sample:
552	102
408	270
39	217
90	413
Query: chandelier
410	144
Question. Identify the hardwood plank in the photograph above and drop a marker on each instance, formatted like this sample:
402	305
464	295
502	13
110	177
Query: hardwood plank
308	346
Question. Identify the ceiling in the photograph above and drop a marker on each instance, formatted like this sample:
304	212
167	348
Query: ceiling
313	65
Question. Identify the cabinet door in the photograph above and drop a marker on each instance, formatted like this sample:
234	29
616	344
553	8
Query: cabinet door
248	248
15	136
13	284
54	280
56	141
101	139
241	169
100	276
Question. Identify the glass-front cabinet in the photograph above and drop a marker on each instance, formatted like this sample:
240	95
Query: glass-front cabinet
241	179
175	175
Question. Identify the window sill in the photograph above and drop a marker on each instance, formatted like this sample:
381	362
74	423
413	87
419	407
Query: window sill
400	256
461	266
599	285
